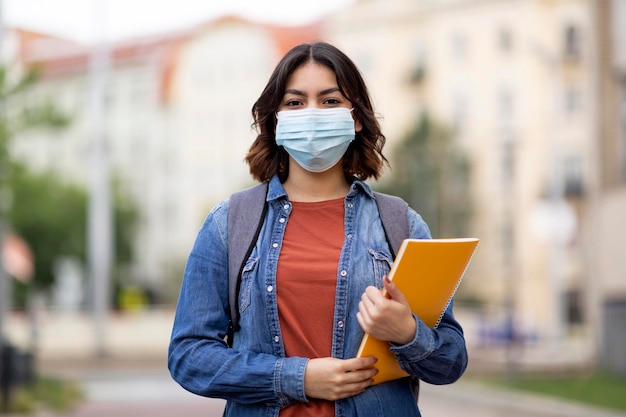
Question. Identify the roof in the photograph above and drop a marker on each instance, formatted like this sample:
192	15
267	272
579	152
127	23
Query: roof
56	57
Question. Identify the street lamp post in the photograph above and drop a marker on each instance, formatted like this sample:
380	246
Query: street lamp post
99	214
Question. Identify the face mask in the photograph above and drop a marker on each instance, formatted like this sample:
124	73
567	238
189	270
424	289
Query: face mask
315	138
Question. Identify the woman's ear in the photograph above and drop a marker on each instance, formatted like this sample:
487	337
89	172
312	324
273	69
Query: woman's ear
357	125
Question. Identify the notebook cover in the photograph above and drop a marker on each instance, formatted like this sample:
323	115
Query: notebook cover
428	272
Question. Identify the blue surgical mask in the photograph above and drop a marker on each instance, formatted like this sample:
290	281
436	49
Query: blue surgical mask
315	138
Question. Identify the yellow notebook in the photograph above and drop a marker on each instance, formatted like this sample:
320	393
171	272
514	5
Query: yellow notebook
428	272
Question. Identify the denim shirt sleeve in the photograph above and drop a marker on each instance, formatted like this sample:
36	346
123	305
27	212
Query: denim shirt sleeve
435	355
199	358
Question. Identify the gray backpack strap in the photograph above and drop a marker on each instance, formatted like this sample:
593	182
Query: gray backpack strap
394	216
246	212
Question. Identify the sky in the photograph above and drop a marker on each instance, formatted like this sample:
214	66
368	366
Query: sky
88	20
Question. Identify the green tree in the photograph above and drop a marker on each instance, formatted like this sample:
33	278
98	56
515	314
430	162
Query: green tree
18	113
432	174
51	216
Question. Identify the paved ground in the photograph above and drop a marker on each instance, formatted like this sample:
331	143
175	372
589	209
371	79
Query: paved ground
134	381
113	391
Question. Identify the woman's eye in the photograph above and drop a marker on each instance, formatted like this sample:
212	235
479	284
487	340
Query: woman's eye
292	103
331	101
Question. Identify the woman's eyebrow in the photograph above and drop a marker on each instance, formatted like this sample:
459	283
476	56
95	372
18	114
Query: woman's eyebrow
328	91
295	92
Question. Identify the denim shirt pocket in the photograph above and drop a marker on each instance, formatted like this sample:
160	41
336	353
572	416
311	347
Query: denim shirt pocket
382	264
245	291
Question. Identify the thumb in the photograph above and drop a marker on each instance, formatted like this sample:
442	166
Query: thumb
393	291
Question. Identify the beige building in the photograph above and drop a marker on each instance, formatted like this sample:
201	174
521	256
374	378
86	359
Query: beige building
608	202
516	80
177	124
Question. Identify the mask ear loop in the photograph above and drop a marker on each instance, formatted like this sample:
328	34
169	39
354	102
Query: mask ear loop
356	122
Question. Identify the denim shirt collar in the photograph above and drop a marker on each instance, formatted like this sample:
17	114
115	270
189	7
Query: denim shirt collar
277	191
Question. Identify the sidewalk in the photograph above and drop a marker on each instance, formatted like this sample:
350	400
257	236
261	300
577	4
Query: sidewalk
116	392
136	355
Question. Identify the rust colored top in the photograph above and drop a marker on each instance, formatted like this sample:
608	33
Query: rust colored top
306	281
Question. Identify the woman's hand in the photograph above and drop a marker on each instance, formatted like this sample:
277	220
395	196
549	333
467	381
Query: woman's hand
333	379
388	319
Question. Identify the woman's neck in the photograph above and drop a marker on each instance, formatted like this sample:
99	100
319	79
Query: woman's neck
305	186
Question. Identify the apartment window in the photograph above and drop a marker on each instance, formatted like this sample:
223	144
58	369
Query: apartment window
508	160
419	61
459	47
459	110
505	40
507	240
506	105
573	101
573	176
572	42
574	306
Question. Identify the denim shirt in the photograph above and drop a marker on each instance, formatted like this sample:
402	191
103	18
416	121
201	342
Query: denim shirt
255	376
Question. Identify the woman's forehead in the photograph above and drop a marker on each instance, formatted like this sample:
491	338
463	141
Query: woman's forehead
311	74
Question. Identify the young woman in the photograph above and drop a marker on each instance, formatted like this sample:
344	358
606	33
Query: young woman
311	286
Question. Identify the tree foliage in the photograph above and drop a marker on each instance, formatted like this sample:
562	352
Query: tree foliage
19	112
432	174
51	215
46	211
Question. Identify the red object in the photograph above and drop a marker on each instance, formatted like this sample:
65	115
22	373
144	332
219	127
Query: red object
17	258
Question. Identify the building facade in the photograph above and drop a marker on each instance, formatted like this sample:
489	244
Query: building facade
177	125
608	201
515	80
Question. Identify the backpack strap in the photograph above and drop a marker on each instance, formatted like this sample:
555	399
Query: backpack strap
246	212
393	212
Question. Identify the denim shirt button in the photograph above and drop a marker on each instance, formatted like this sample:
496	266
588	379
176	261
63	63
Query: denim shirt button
281	220
344	273
274	245
276	339
350	205
286	207
349	235
270	288
340	324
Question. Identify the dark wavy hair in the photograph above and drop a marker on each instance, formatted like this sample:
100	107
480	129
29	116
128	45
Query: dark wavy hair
364	158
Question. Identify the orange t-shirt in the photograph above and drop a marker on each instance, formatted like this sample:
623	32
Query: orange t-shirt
306	280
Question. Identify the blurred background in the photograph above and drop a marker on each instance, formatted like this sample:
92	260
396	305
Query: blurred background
123	123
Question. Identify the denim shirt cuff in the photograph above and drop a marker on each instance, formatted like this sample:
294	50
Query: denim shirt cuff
420	347
290	378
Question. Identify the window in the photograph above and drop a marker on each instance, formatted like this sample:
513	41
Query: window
459	47
506	105
573	103
574	306
572	41
459	110
573	176
418	71
505	40
508	161
507	240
